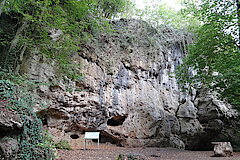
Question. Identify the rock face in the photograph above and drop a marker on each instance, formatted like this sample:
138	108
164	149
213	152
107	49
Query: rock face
9	148
129	92
9	122
10	126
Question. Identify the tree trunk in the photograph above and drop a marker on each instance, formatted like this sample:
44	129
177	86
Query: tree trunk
1	6
10	51
238	16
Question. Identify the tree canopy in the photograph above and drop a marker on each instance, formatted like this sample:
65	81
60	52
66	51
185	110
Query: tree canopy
215	53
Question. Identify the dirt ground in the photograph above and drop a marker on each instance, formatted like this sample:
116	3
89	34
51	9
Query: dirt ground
110	152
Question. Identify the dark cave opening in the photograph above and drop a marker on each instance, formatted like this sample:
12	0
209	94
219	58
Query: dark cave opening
108	138
116	120
74	136
203	142
204	145
43	116
44	121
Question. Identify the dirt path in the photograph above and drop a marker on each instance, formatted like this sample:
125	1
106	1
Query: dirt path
111	152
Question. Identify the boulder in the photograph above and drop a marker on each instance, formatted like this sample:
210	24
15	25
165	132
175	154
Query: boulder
187	110
176	142
190	127
8	148
222	149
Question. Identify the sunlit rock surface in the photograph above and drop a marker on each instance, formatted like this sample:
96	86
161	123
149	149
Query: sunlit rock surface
129	92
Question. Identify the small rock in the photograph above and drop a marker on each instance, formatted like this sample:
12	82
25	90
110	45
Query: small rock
130	157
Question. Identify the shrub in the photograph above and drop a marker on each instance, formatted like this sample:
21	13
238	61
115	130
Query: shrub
63	144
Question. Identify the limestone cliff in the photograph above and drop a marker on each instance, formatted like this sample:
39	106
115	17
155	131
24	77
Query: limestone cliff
129	92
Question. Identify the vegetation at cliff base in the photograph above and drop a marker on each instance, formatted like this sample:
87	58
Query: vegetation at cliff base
14	93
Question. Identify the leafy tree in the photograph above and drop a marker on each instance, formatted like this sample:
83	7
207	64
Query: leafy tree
215	54
159	14
109	9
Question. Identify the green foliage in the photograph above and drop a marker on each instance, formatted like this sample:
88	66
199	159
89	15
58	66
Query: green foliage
48	143
109	9
51	145
215	54
48	140
15	94
159	14
63	144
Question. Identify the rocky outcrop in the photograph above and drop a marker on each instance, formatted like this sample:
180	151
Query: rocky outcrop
10	126
129	92
9	122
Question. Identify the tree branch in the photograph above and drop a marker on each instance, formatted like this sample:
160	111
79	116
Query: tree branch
9	52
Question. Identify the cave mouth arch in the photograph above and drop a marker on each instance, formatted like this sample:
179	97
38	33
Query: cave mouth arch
116	120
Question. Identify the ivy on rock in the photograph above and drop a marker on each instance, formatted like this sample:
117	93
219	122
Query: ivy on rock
14	89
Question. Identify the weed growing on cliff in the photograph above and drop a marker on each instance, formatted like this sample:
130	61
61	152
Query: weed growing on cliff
18	98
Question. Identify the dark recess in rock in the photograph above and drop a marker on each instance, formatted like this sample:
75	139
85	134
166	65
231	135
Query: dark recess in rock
107	138
116	120
74	136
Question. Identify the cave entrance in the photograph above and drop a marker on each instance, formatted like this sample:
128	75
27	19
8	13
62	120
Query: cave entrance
203	142
116	120
109	139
